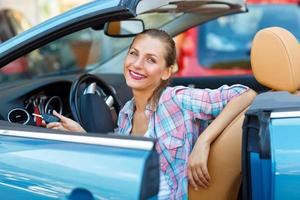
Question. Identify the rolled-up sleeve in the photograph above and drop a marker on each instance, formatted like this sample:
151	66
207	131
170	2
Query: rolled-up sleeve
206	103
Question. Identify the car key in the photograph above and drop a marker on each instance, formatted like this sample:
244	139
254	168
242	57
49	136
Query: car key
48	118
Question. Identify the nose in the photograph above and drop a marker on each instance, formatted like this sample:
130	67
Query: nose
138	62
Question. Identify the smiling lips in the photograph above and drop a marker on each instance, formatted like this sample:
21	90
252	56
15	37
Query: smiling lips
136	76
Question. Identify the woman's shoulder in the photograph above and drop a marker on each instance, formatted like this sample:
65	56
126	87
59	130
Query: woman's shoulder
174	89
171	94
177	91
171	91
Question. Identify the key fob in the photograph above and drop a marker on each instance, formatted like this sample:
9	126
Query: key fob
48	118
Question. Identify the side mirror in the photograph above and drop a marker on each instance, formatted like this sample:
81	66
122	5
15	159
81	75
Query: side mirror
124	28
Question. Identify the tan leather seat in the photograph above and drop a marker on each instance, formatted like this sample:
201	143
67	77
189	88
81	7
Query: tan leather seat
224	164
275	61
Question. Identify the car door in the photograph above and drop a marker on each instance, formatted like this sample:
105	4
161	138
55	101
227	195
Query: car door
39	164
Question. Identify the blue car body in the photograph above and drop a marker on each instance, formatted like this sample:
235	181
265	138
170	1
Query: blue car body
53	166
35	167
271	147
37	163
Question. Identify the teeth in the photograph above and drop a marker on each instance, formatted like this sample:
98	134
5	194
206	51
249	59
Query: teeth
135	74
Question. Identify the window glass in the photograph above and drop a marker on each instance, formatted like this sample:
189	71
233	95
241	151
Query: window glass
18	21
5	30
78	51
226	42
83	50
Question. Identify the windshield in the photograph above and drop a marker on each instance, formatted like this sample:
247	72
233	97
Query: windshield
83	50
226	41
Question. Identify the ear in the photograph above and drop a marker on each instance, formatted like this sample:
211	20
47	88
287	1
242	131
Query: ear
167	73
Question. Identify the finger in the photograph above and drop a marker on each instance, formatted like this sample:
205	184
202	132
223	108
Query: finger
205	173
61	117
201	176
60	128
197	178
44	124
191	179
53	125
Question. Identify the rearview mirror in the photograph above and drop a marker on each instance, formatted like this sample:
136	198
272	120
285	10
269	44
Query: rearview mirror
124	28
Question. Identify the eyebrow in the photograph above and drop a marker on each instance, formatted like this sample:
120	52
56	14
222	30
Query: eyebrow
150	54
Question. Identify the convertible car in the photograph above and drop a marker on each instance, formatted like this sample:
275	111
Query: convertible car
77	70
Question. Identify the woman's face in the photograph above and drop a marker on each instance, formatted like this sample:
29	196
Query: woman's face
145	65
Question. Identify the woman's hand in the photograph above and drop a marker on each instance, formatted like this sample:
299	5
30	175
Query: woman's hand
197	165
65	124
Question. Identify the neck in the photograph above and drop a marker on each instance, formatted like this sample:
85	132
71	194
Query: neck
141	99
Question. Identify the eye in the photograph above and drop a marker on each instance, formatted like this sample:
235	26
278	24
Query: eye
151	60
132	52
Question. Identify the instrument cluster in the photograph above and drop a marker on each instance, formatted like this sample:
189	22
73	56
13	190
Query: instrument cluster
34	107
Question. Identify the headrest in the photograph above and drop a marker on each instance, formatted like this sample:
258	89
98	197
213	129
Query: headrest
275	59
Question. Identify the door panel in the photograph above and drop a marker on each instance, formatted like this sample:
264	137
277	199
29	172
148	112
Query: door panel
37	165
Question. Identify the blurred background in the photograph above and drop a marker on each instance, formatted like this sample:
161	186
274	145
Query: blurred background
220	47
36	11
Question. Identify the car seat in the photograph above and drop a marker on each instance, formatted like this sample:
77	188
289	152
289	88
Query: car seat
224	164
275	65
275	59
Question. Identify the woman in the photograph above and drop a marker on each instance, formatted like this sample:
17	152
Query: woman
174	116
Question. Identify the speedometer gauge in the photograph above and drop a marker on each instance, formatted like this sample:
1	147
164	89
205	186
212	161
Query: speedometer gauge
54	103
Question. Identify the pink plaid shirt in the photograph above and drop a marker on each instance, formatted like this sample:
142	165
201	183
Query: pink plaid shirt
181	114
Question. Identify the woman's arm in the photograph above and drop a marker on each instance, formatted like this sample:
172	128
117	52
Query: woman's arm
197	165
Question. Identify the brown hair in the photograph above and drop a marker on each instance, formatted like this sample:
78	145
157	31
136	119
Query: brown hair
170	58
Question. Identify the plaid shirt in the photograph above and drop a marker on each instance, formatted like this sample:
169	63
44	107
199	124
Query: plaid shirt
181	114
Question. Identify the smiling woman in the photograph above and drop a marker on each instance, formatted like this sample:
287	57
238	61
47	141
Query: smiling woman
171	118
155	77
174	116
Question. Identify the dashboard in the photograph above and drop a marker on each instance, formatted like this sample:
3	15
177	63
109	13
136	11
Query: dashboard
40	101
27	101
21	101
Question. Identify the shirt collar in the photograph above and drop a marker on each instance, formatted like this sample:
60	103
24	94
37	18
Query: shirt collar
130	106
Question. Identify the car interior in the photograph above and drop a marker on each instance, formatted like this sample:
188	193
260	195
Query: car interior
274	49
94	82
22	100
64	93
225	159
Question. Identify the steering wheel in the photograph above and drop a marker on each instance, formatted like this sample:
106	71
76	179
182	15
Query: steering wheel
94	104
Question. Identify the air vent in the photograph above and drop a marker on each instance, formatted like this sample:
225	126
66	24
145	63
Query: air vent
18	115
